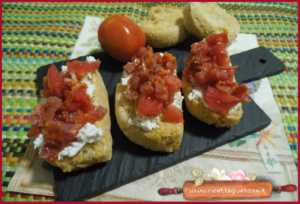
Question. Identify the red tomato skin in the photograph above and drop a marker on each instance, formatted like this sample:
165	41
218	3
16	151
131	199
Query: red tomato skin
172	114
55	81
217	38
149	107
173	83
120	37
219	101
80	68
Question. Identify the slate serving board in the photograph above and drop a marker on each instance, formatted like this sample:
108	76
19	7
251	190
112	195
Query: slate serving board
131	162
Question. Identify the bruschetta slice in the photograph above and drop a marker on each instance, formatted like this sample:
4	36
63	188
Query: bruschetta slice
148	101
209	86
71	126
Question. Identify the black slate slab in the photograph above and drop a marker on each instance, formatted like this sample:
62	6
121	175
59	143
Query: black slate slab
131	162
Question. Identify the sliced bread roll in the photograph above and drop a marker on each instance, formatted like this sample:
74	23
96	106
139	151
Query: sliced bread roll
211	92
99	151
166	137
148	101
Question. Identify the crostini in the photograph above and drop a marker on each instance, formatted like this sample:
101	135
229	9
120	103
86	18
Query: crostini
71	126
210	90
164	27
148	101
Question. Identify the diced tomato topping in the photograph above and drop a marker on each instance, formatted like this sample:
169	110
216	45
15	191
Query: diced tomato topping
147	89
80	68
208	67
48	110
217	38
49	152
149	107
152	81
57	136
78	99
226	86
33	131
160	90
96	114
60	133
55	82
67	108
219	101
241	92
172	114
173	83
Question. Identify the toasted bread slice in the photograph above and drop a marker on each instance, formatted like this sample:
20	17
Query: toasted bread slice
166	137
165	27
204	19
101	150
200	111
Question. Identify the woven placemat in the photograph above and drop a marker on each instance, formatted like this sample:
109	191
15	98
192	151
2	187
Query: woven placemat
35	34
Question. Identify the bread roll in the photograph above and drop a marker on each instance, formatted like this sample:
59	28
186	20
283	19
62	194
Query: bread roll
101	150
204	19
165	27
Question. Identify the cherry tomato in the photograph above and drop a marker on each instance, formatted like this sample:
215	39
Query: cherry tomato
120	37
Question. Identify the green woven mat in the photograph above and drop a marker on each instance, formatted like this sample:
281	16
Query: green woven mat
36	34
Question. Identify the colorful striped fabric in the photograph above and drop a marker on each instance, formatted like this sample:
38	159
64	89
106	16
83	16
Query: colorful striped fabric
36	34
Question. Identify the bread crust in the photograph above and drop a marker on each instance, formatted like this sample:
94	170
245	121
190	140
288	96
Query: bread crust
166	138
164	28
101	150
204	19
200	111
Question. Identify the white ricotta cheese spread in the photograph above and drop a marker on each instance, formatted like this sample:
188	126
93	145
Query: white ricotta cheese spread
71	150
145	123
195	94
90	59
38	141
89	83
64	68
177	100
88	78
89	133
125	78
